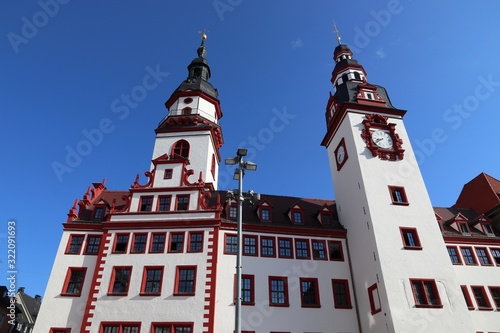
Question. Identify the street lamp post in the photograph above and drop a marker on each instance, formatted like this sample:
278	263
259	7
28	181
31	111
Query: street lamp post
238	175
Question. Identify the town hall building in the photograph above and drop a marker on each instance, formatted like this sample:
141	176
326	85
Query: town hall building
160	256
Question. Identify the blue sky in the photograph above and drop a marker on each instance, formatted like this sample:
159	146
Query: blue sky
66	65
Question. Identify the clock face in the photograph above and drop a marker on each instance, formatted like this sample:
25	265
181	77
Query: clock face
382	139
340	154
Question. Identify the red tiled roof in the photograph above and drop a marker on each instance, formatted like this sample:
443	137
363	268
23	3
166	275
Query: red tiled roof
480	194
108	197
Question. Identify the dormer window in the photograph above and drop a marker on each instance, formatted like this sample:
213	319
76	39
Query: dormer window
326	218
264	211
487	229
297	214
265	214
297	217
369	95
233	212
98	213
464	228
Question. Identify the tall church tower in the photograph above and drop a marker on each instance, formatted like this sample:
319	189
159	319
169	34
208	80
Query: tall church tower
402	278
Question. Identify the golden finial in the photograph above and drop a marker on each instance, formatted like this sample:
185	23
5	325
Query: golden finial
336	31
203	34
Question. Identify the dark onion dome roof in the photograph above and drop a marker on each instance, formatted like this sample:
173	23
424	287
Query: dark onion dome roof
198	74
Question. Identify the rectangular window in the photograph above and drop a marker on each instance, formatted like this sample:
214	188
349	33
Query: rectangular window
487	229
425	293
93	243
267	247
185	280
410	238
285	248
74	281
171	327
297	217
278	291
464	228
157	243
453	253
120	279
496	255
250	245
319	250
139	243
482	300
176	242
247	290
398	195
468	256
374	298
164	203
167	174
302	249
309	294
468	300
146	204
195	241
98	213
326	218
483	256
231	244
120	327
233	212
495	294
151	280
335	249
265	214
341	296
74	244
121	243
182	202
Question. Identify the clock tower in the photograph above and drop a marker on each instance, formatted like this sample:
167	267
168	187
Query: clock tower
402	278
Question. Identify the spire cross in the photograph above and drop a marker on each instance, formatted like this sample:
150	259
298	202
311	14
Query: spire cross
336	31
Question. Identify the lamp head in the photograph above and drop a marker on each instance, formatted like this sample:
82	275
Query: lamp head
242	152
231	161
250	166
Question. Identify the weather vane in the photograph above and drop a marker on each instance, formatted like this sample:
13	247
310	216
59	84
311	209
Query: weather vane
336	31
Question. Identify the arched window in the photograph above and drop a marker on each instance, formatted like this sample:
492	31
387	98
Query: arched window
181	148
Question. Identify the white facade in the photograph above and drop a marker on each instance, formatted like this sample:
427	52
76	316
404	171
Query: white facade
160	257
